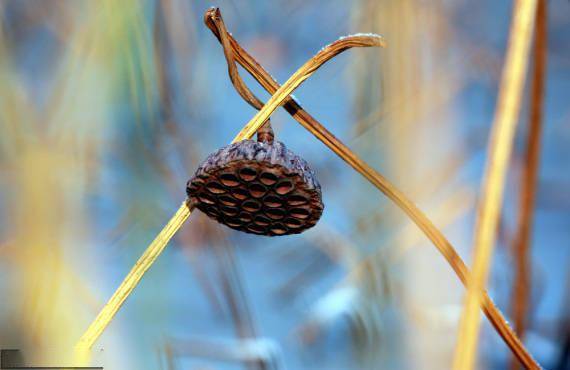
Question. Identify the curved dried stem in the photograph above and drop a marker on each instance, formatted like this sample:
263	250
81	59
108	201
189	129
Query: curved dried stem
438	239
500	146
106	315
281	95
215	16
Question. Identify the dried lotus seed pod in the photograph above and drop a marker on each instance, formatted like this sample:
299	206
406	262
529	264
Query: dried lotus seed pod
257	187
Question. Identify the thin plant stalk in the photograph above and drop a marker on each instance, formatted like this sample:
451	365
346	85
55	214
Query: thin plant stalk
520	300
105	316
282	93
500	145
437	238
150	255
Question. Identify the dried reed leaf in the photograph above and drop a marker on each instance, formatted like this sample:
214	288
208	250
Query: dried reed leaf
500	144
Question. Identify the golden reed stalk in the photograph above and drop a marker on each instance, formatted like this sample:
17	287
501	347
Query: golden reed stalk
500	146
130	282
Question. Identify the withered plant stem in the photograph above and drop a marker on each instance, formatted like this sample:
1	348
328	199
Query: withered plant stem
213	20
499	151
150	255
520	300
281	94
105	316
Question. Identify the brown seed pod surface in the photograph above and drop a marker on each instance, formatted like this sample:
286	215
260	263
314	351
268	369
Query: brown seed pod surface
257	187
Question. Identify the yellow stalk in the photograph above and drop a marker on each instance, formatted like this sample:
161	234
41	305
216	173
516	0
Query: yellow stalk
500	145
130	282
283	92
157	246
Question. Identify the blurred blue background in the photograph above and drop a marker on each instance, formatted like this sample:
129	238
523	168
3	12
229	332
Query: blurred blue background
107	108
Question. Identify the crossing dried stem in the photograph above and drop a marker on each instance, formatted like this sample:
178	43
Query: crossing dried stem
215	24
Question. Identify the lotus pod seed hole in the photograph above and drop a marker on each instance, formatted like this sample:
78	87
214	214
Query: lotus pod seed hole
284	187
257	190
229	211
300	213
247	174
292	223
251	205
275	213
297	200
229	179
278	229
233	222
256	229
268	178
212	212
215	188
193	186
205	198
245	217
239	193
261	221
228	201
272	201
